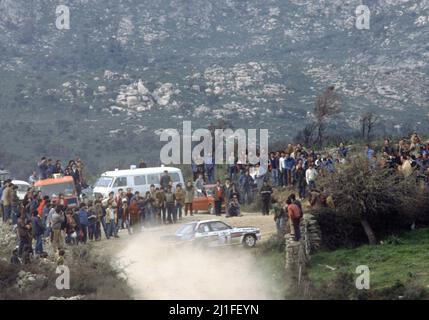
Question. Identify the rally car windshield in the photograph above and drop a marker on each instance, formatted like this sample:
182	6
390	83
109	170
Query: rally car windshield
186	228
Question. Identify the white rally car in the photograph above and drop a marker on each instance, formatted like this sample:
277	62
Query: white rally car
215	233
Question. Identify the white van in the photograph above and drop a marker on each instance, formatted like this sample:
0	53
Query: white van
136	179
23	187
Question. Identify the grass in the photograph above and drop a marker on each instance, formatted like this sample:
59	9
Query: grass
271	259
389	262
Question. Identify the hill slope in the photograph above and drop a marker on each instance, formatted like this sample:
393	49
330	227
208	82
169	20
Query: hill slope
258	64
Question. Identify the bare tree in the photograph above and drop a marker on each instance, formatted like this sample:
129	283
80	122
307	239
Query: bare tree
306	135
368	121
327	104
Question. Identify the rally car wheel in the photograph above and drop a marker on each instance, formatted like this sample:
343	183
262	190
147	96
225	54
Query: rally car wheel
249	241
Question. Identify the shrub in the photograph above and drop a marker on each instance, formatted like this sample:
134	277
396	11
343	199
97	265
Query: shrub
91	275
382	201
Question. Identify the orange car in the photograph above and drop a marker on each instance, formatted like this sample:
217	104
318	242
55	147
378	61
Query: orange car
205	201
55	186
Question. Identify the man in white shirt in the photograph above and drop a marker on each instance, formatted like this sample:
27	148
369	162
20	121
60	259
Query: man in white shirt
310	176
281	168
33	178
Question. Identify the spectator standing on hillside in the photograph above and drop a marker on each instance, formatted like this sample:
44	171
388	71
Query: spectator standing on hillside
300	180
33	178
227	194
160	198
189	198
387	148
81	169
165	180
7	199
38	230
342	151
281	169
98	211
149	212
58	168
119	196
75	173
170	202
266	192
180	200
92	218
15	209
129	195
289	164
279	219
142	164
199	183
111	217
194	168
209	168
43	167
71	230
24	236
274	163
123	217
218	194
137	205
200	166
294	214
83	219
50	169
369	152
246	184
57	220
261	171
296	201
310	176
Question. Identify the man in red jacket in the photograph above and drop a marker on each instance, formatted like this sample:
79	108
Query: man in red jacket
294	213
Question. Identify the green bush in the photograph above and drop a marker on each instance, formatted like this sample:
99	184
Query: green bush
339	230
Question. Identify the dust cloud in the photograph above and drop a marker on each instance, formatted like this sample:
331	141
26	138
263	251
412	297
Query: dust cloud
159	270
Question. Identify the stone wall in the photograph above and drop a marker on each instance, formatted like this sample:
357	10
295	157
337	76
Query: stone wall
298	253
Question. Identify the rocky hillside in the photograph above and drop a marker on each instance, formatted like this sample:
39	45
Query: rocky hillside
127	68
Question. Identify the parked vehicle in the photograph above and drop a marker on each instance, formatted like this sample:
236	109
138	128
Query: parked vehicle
136	179
204	200
22	188
53	187
215	233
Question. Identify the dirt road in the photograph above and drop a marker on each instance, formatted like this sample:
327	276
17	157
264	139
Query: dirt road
159	271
